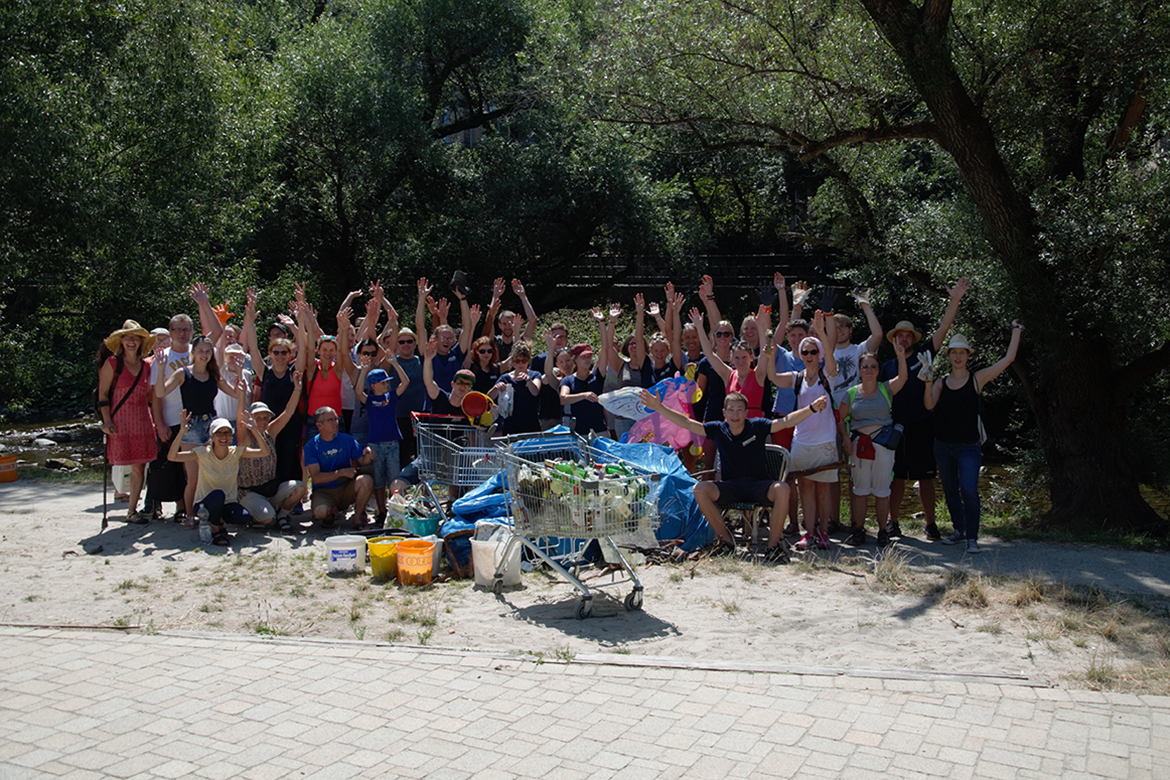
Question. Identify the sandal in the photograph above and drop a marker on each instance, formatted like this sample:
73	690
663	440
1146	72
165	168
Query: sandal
283	524
220	538
360	525
137	518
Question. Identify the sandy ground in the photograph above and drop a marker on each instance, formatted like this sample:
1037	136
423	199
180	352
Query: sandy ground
1069	615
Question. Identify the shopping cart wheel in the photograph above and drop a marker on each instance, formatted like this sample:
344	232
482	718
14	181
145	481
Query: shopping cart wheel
584	608
634	600
498	585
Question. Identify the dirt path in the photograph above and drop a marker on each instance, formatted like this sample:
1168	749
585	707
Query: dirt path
1078	614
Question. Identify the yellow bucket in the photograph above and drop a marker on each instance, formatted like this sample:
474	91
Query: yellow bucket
384	556
415	561
8	468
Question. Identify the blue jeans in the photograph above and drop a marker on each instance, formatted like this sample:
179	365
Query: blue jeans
958	470
218	510
385	462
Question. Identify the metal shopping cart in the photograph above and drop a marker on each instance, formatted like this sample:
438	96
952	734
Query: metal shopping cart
588	494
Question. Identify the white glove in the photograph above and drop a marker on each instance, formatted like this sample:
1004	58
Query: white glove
926	373
862	296
799	297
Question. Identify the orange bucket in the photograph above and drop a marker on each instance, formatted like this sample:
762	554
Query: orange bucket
415	561
8	468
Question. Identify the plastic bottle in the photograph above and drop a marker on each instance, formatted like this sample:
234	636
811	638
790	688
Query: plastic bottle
204	525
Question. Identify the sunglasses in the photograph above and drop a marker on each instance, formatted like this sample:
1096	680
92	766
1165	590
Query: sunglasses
280	352
405	341
369	354
463	383
810	352
519	359
723	334
484	351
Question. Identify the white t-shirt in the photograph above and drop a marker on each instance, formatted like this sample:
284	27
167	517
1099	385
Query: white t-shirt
848	359
226	405
172	402
821	427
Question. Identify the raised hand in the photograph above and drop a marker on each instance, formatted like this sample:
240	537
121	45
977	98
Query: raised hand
678	301
299	292
654	311
443	308
344	315
499	287
431	348
696	316
800	293
598	314
250	305
960	288
899	350
474	314
669	290
432	306
391	316
199	293
518	288
615	311
550	339
221	313
778	282
706	287
639	303
1017	325
863	297
424	289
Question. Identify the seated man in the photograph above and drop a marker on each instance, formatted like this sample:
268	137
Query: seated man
332	459
740	442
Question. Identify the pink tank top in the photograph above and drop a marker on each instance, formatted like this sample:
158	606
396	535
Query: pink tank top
326	390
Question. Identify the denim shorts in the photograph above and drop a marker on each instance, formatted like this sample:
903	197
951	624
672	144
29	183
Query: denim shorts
200	430
385	462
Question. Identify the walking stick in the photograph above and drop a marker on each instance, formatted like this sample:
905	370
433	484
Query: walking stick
105	480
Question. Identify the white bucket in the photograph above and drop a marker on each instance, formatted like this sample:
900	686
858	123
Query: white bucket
345	554
485	557
438	553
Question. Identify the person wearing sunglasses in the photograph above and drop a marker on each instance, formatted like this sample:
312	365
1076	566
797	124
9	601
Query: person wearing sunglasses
483	361
741	376
814	445
524	383
276	378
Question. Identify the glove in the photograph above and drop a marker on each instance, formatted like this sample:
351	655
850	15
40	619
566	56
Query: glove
926	373
862	296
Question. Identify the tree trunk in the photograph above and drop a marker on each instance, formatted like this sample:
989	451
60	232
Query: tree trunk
1077	409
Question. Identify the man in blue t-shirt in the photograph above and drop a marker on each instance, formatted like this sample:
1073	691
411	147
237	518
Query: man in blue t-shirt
332	459
740	443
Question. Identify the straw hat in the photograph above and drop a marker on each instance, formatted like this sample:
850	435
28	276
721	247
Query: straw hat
959	341
904	325
130	328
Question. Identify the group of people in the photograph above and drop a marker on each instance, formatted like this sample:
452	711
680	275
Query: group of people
233	427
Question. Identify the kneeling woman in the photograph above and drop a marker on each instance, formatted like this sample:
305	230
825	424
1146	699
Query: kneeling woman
219	472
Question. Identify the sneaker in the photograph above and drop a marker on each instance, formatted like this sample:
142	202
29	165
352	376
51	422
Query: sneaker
973	547
823	542
894	529
792	530
932	532
805	542
857	538
283	524
883	537
776	554
834	526
955	538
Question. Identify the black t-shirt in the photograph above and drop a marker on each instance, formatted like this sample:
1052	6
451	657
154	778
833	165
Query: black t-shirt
743	456
908	406
525	417
589	415
714	394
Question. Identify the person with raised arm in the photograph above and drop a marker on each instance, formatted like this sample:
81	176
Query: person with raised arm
218	469
914	460
265	495
451	349
867	409
513	327
522	383
740	441
741	376
814	445
384	435
628	364
279	378
666	355
957	431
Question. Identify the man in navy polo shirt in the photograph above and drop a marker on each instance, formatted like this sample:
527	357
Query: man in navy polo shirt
740	443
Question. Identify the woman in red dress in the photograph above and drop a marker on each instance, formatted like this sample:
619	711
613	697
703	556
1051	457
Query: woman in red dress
124	395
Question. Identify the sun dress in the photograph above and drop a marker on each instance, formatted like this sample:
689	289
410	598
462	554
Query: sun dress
135	440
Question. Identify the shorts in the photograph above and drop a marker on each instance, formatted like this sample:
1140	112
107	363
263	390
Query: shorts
809	456
744	491
915	456
385	462
409	473
341	497
200	430
873	477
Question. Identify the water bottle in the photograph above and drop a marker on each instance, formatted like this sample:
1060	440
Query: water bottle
204	525
505	401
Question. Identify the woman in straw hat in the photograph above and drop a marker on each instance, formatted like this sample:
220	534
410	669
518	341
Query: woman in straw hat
124	403
958	432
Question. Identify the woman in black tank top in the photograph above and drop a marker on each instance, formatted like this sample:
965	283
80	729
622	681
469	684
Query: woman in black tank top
957	445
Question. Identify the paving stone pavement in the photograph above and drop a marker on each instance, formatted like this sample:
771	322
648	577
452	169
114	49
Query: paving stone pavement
89	704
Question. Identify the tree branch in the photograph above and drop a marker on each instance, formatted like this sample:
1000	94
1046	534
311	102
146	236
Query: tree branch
1129	119
1140	370
473	121
924	130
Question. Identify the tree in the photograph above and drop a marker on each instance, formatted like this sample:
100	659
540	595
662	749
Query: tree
1018	143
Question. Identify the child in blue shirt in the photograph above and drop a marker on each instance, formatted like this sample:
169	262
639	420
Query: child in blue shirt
380	404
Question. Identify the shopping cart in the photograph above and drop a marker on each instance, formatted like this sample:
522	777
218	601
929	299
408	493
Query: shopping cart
452	451
588	494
